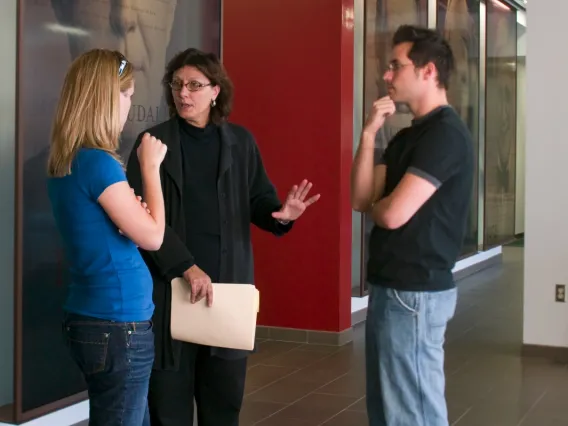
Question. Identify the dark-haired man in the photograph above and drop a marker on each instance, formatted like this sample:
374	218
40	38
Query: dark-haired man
418	196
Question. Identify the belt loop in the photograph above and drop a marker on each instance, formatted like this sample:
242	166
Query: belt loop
134	327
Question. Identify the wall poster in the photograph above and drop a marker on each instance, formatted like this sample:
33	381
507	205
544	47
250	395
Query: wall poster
382	18
52	34
501	124
458	21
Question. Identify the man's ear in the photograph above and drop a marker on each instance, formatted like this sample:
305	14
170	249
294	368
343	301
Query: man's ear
430	71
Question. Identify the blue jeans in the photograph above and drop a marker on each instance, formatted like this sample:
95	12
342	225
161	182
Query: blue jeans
405	356
116	360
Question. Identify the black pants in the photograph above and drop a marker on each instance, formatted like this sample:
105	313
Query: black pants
216	384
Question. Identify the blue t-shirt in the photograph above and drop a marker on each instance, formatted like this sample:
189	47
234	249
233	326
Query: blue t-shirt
109	279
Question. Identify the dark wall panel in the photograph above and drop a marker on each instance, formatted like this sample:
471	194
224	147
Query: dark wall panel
53	33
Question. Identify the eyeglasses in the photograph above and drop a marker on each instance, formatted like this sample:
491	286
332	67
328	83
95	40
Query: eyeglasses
396	66
192	86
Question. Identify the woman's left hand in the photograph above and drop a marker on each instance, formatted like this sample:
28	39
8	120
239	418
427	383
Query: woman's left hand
296	203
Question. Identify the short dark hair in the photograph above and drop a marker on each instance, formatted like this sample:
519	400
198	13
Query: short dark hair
427	46
211	67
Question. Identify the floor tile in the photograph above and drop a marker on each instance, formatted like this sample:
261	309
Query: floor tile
314	409
488	382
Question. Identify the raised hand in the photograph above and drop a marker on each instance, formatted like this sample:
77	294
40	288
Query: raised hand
296	203
151	152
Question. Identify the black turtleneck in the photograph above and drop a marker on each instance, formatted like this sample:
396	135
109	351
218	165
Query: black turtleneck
200	159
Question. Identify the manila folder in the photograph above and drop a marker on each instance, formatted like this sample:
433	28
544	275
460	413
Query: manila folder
229	323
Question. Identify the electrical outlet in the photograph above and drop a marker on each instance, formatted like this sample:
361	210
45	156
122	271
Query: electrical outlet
560	293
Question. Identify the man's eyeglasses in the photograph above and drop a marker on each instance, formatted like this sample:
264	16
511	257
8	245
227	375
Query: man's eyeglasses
192	86
396	66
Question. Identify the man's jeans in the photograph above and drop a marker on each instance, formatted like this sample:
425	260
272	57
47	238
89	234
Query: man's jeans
405	356
116	359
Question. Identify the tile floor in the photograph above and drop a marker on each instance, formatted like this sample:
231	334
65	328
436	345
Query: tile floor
488	383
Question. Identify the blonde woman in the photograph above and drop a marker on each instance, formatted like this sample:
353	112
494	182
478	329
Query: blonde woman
109	304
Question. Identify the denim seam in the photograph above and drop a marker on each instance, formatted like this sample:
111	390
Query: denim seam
417	354
125	385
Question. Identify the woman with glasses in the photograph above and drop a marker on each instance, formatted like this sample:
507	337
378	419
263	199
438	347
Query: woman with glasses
215	186
109	304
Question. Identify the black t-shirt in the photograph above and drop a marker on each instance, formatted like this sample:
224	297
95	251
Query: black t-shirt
420	255
200	161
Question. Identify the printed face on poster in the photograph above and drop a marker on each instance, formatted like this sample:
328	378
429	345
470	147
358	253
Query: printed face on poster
53	34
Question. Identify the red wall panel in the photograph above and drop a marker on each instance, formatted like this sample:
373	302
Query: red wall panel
291	62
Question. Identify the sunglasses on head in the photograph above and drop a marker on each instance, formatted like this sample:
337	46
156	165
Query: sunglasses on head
123	62
122	66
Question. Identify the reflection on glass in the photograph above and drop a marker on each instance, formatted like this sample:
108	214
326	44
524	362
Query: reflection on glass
458	20
54	32
500	139
382	18
521	101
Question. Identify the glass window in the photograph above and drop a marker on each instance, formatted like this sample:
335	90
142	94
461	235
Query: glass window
382	18
521	100
501	124
458	20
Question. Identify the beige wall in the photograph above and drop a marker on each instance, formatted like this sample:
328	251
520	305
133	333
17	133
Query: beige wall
546	207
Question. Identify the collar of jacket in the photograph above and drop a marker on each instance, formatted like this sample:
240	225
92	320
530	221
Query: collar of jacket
170	136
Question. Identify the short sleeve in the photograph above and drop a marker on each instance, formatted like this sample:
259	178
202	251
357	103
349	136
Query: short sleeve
98	171
439	154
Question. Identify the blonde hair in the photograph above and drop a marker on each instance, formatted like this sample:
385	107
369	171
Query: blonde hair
88	111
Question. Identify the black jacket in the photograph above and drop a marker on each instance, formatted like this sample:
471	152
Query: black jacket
246	196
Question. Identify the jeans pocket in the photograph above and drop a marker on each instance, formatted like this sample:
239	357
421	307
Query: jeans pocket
144	327
88	348
142	336
440	309
405	302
